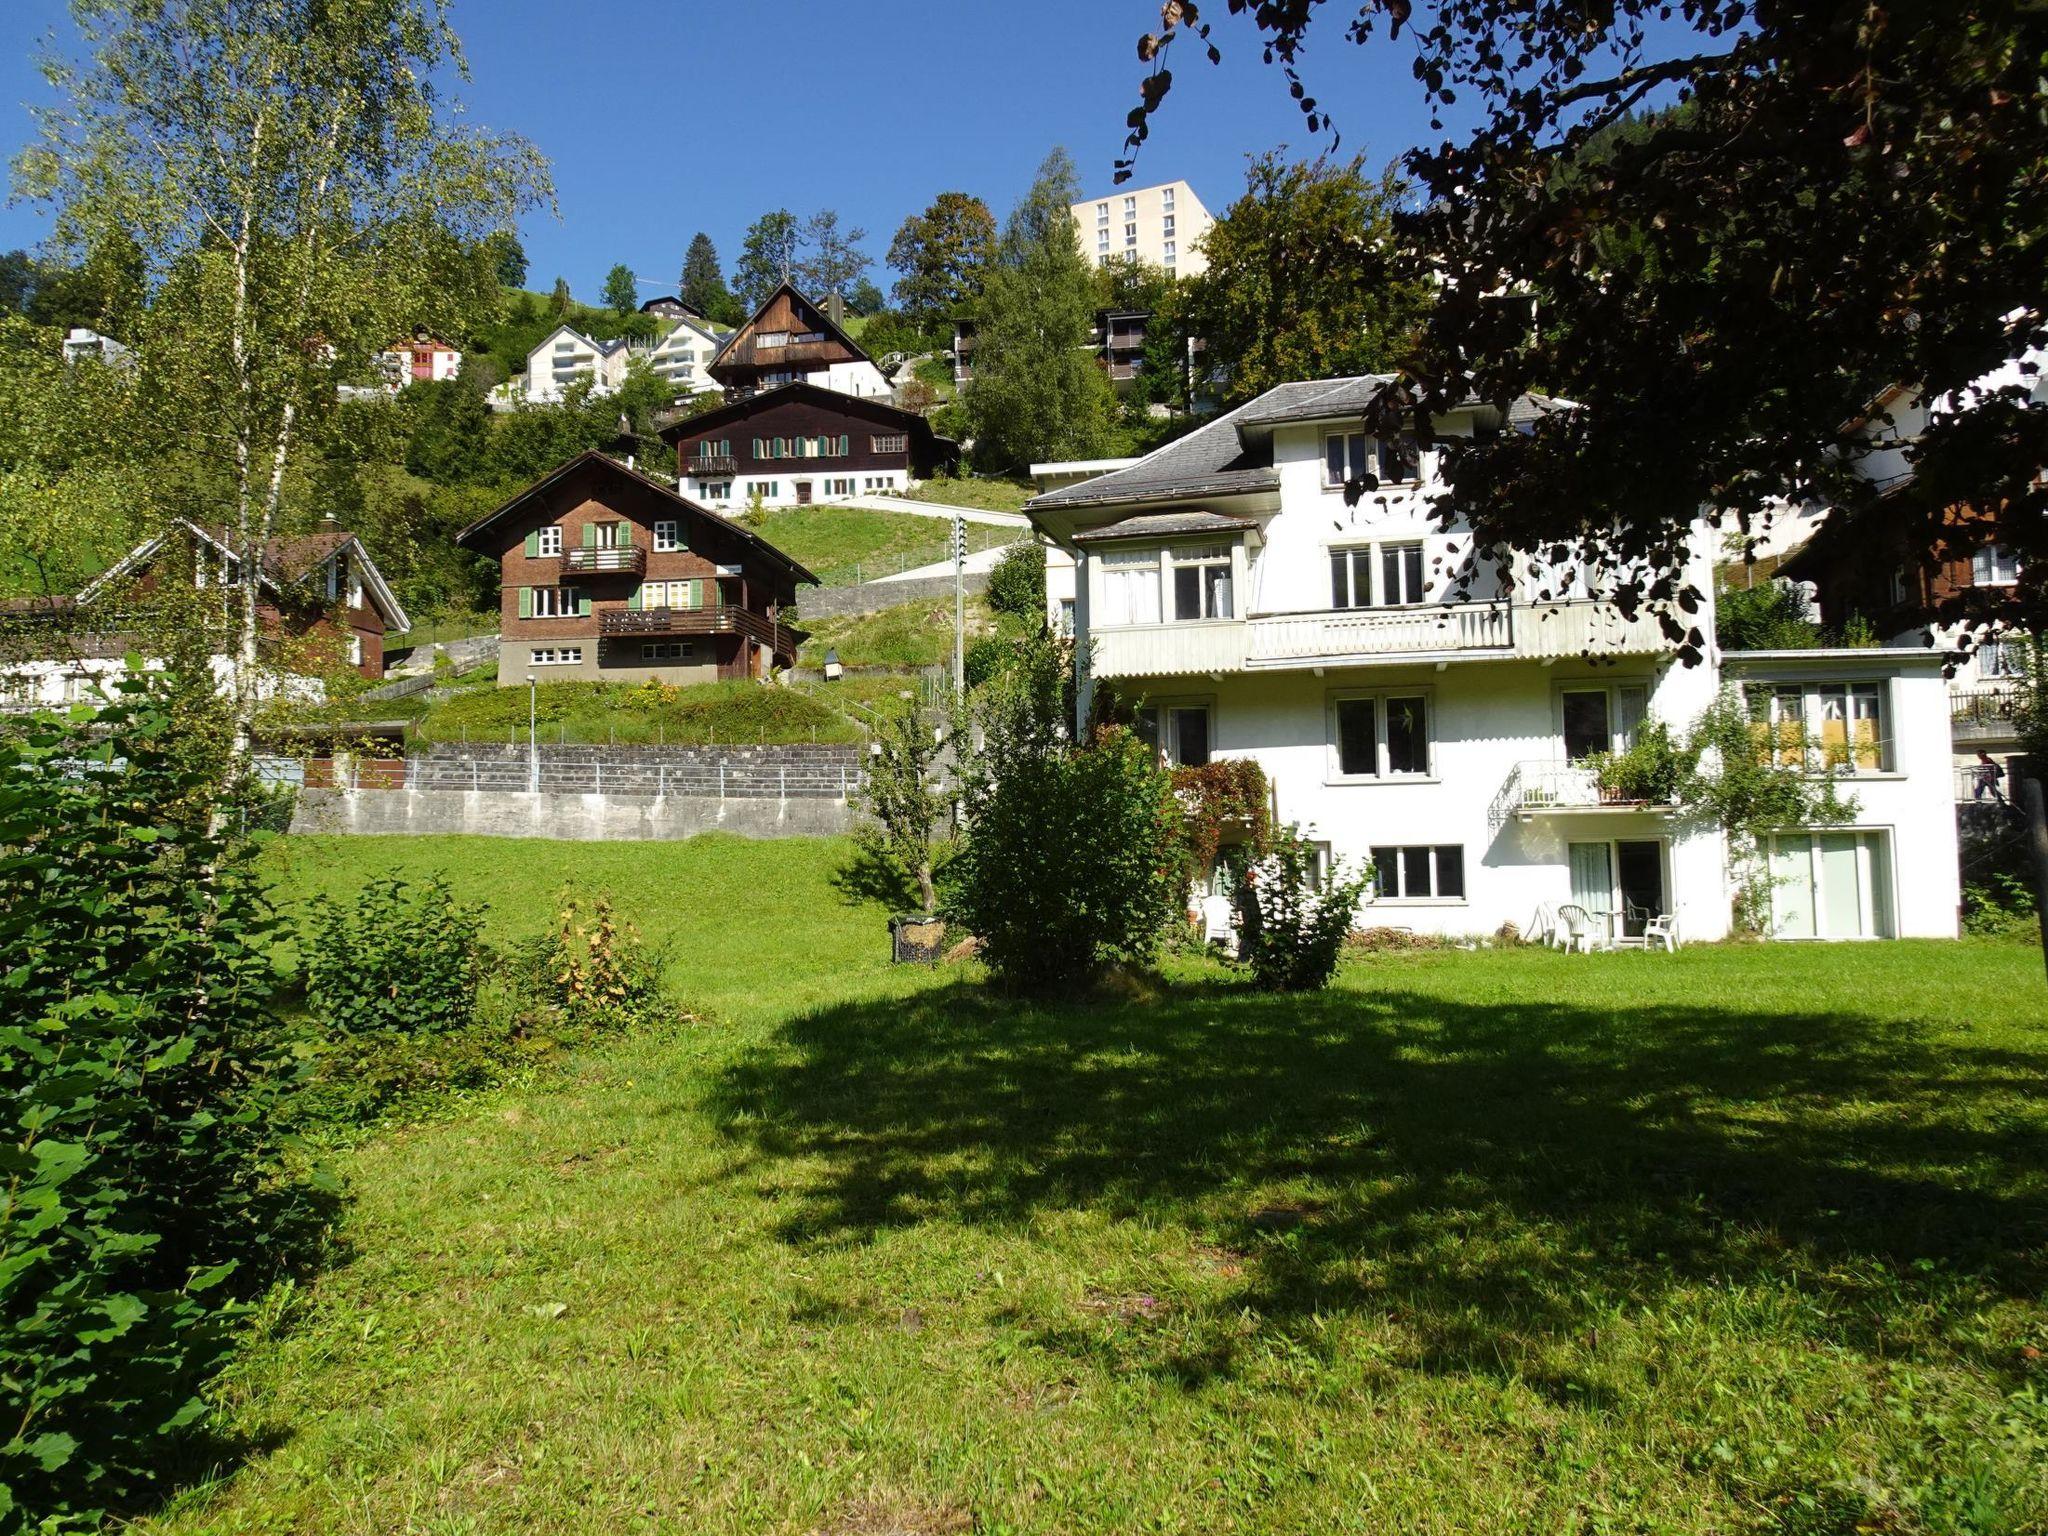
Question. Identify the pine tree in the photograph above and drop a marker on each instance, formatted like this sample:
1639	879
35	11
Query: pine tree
561	300
702	287
1037	392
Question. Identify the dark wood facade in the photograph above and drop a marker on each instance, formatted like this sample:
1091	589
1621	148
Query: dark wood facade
1901	573
788	336
821	433
583	570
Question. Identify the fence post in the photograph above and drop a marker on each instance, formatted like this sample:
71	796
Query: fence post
721	781
472	773
661	781
785	783
597	779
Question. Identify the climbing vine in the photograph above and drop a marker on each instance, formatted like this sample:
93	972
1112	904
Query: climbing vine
1215	795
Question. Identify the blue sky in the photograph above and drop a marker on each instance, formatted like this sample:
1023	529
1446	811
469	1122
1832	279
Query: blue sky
660	121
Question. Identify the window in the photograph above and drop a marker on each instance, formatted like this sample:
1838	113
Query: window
1171	252
1832	727
1166	198
769	489
1400	459
717	490
1346	456
1380	736
1130	587
1130	234
2001	658
1431	872
606	535
1130	207
668	650
1102	213
1201	582
842	486
890	442
556	656
1101	241
771	338
1601	717
1852	727
1400	574
1351	577
876	482
1180	732
552	603
1994	566
1063	618
332	571
665	540
1166	227
670	594
548	541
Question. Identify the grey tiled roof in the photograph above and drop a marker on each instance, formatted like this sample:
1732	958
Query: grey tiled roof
1313	398
1157	524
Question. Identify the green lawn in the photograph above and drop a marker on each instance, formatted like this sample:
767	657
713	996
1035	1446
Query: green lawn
918	634
842	545
1744	1239
591	713
984	495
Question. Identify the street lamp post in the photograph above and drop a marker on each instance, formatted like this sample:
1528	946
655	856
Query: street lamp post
532	739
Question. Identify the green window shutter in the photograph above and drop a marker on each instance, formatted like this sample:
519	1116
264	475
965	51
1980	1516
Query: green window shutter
634	602
696	592
533	544
625	535
590	535
526	602
583	605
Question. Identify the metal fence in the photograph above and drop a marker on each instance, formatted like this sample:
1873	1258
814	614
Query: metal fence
548	774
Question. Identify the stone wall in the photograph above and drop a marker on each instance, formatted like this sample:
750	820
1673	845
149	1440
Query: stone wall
873	596
567	817
799	770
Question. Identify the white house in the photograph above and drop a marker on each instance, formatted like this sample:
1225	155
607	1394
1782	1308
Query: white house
80	342
684	354
563	357
1442	731
1160	226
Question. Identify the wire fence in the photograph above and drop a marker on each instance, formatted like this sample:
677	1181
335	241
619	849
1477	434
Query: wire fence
825	778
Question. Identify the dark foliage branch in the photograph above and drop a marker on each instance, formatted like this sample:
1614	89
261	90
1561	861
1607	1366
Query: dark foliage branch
1826	201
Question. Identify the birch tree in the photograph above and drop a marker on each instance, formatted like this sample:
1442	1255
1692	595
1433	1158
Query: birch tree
301	192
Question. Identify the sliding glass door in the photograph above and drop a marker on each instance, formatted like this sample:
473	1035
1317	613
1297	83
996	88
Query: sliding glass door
1831	885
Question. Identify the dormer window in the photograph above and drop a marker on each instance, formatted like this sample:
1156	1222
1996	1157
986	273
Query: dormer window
771	338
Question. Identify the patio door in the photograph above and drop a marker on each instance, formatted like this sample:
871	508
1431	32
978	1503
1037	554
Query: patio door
1593	877
1831	885
1640	867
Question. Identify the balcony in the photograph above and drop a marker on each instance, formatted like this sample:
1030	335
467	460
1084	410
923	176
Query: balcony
1340	634
1548	631
1549	788
1170	650
1984	712
711	466
712	619
622	560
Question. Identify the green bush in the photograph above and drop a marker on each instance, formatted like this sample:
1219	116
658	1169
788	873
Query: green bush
138	1073
588	974
406	960
1294	925
1072	858
1017	584
2001	907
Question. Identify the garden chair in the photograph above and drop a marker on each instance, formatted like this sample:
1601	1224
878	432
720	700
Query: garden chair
1579	927
1658	928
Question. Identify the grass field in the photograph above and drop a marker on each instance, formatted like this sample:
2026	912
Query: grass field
841	545
1740	1239
918	634
986	495
732	712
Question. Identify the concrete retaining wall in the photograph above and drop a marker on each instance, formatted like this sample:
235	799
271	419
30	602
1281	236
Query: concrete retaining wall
575	818
872	596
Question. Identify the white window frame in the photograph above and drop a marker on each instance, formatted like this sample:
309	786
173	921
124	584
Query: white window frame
355	650
1164	729
1993	565
1402	898
1383	771
890	442
560	603
555	656
1814	694
667	536
547	541
1620	735
1201	558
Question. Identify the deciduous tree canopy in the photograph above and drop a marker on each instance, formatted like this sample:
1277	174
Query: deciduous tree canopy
940	256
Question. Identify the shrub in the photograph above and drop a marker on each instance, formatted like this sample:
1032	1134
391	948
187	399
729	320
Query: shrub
1295	923
1072	857
405	960
588	975
1653	768
137	1079
1017	584
910	797
2001	907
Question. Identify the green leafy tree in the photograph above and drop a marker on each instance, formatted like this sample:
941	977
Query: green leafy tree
910	796
1037	392
297	195
621	292
940	255
1016	587
17	281
832	260
451	429
1299	284
864	298
146	1191
509	257
1850	199
768	255
559	301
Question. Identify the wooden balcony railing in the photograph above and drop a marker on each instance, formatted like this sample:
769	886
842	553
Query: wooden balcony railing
622	560
713	465
712	619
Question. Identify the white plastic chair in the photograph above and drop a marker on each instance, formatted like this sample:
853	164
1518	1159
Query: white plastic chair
1662	929
1216	924
1578	925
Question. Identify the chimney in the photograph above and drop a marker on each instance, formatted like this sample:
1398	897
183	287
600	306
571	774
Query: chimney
836	308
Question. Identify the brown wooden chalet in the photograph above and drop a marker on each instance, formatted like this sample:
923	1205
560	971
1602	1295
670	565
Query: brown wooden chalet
607	575
800	443
1904	567
789	340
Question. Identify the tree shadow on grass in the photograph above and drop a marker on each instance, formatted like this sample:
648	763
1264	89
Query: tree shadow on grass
1489	1174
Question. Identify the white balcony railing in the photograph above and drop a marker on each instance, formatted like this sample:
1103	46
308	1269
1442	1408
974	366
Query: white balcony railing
1170	650
1543	787
1288	637
1582	626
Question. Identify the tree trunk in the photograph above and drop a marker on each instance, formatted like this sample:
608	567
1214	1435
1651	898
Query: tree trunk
925	889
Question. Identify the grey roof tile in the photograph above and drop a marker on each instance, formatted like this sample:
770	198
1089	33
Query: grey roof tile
1158	524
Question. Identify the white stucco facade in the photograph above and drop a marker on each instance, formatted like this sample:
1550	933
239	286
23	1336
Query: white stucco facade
1442	728
735	493
564	357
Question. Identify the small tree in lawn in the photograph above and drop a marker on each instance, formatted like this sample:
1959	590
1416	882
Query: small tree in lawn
1295	922
911	800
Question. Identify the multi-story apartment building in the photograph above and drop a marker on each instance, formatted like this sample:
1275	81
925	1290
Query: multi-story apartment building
1161	226
81	342
1413	708
565	356
609	576
683	356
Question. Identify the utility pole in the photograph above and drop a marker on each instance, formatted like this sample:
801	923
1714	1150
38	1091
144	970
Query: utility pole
959	608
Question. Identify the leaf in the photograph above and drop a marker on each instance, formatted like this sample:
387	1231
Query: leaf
51	1450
